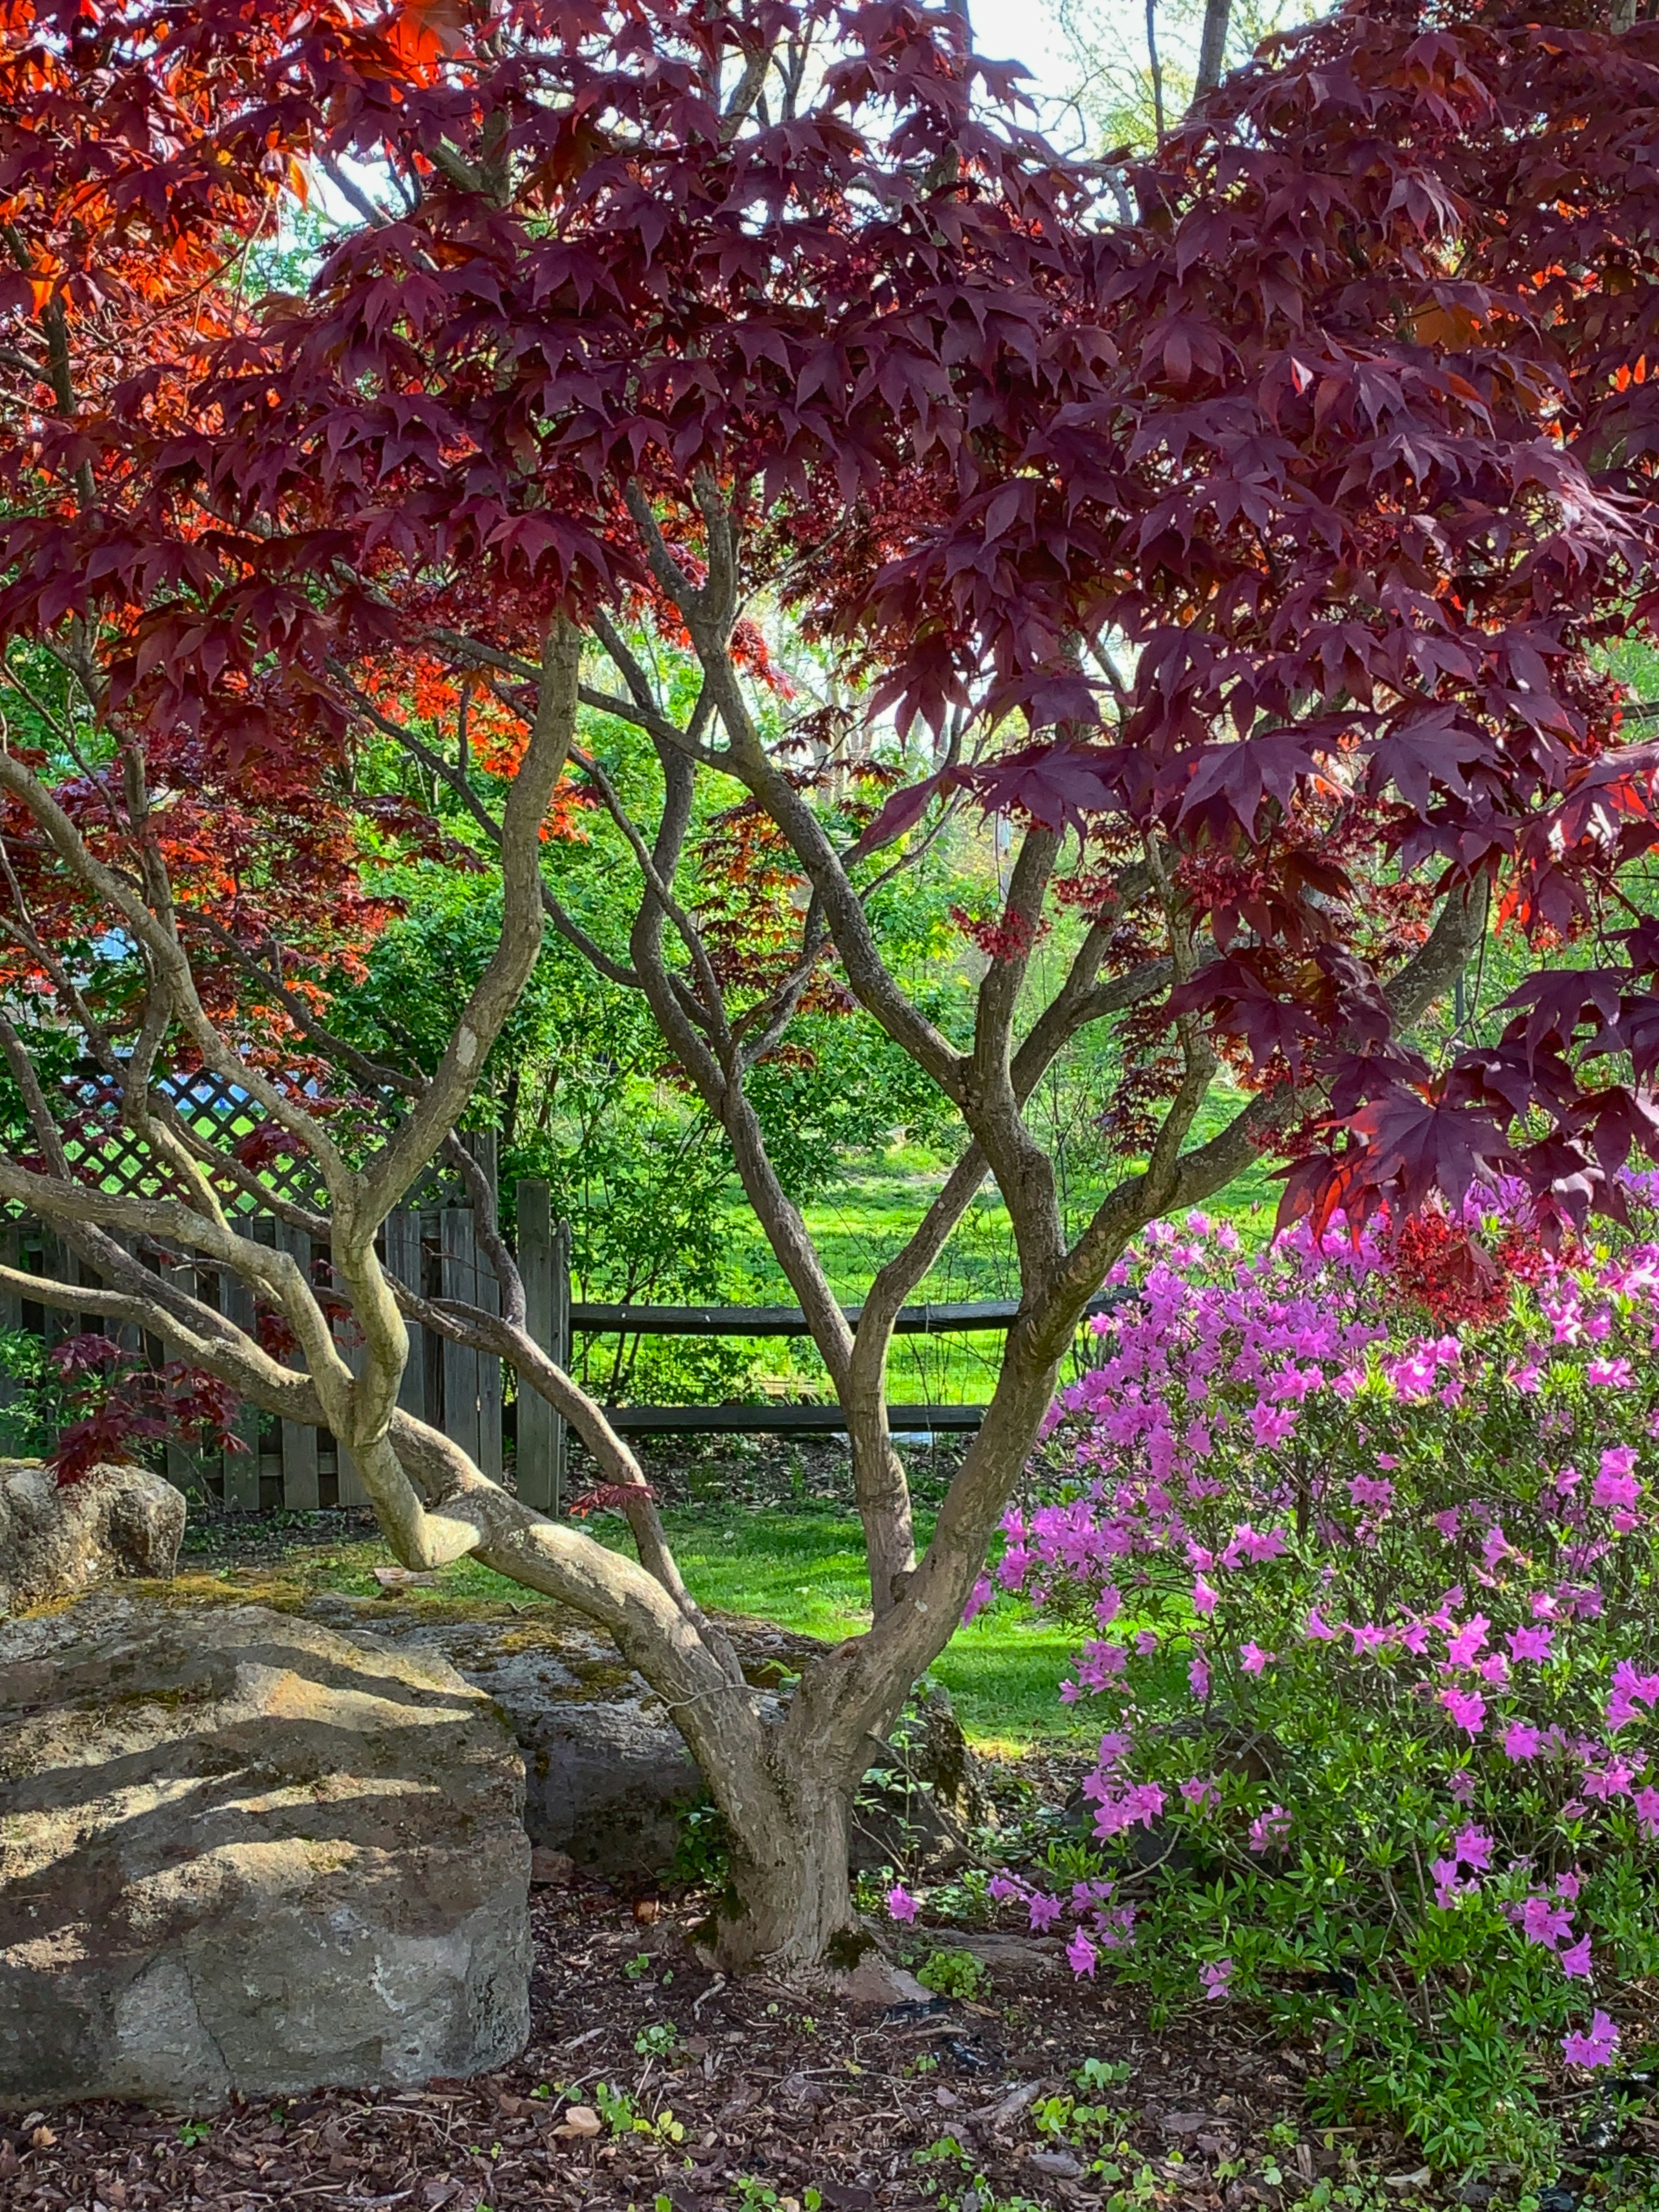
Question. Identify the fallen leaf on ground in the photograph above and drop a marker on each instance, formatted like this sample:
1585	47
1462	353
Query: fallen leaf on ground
1059	2163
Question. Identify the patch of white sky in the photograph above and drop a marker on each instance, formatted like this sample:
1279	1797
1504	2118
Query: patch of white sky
1088	59
1060	51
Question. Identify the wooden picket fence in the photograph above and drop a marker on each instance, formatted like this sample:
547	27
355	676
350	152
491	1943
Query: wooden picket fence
459	1390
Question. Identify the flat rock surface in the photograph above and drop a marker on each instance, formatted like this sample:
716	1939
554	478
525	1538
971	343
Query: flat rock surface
239	1851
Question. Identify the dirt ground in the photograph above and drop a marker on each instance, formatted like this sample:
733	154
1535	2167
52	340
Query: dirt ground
734	2091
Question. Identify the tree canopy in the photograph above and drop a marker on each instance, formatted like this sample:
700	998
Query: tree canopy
1243	525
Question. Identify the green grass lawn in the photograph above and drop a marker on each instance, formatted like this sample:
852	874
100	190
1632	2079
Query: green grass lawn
806	1572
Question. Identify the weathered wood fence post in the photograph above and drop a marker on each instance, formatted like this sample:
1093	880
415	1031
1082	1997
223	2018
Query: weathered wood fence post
544	1263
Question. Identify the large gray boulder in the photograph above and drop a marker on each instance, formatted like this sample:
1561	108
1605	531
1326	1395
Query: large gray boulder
240	1852
606	1772
57	1541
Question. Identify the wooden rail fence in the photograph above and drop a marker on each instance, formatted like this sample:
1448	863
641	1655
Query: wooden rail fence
434	1246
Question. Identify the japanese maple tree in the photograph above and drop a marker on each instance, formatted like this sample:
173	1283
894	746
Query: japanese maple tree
1250	556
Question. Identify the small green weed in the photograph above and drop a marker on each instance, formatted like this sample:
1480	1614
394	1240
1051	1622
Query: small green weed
952	1973
1096	2075
1083	2126
661	2039
193	2132
870	1890
952	2194
702	1857
622	2115
755	2195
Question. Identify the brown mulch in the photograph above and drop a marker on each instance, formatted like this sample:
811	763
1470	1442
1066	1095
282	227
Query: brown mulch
762	2082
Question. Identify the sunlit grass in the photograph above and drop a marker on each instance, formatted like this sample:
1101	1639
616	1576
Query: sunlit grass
806	1572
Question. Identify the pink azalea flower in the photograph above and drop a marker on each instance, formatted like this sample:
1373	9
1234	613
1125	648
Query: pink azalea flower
1544	1922
1608	1374
1204	1597
1576	1962
1198	1678
1015	1565
1042	1911
1270	1425
1447	1886
1598	2048
983	1591
1467	1709
1611	1491
900	1903
1252	1659
1269	1830
1530	1643
1630	1688
1216	1977
1081	1956
1463	1648
1520	1742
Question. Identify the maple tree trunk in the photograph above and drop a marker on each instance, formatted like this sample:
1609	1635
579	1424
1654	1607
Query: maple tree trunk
788	1906
789	1909
883	1491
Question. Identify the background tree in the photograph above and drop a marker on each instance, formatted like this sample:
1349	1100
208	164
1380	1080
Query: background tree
1316	488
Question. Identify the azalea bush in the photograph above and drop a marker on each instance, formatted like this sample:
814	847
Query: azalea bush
1359	1537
